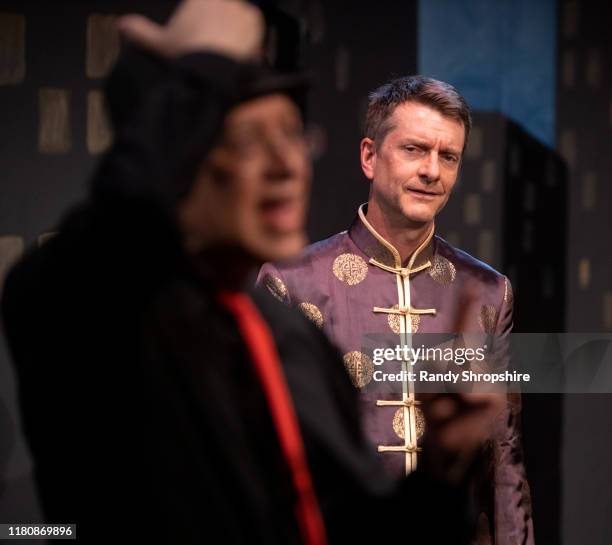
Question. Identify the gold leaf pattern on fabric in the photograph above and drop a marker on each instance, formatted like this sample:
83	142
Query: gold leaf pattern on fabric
276	287
415	320
350	268
313	313
398	423
359	367
394	321
442	270
488	318
508	295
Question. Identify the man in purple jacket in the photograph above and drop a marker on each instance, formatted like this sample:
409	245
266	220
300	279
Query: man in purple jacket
390	273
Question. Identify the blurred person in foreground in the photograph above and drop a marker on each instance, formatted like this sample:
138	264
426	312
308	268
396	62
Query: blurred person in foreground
391	274
162	402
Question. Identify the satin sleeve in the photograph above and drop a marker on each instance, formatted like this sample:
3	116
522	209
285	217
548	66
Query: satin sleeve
512	498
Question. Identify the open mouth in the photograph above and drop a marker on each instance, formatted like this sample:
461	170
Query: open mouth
281	214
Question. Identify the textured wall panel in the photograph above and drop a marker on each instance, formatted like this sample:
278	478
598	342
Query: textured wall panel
102	45
488	174
54	133
471	209
45	237
474	147
607	310
486	246
589	190
11	249
584	273
99	132
12	48
568	68
584	119
568	147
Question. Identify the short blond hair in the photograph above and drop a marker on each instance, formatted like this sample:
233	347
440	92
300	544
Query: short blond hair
431	92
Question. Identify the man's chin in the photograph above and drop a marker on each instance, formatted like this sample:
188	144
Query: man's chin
278	247
414	218
417	213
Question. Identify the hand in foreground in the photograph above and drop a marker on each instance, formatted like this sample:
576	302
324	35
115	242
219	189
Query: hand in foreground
457	425
228	27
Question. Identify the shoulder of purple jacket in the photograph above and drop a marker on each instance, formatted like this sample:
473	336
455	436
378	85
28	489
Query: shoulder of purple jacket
464	261
317	252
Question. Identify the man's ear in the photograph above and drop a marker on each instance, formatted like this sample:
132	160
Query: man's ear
368	157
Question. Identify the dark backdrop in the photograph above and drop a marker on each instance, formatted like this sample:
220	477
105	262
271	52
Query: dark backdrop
53	56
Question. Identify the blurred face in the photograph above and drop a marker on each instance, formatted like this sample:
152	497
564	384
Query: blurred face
253	189
414	169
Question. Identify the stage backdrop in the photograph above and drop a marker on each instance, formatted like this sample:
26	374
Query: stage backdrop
53	61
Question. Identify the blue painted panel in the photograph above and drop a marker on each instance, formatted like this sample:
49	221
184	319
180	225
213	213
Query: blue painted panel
500	54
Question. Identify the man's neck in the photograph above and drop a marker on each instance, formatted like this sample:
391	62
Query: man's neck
226	268
405	236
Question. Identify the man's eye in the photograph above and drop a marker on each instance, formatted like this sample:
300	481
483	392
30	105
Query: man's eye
411	148
450	158
242	140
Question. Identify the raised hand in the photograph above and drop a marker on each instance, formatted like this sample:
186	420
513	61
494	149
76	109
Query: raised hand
457	425
229	27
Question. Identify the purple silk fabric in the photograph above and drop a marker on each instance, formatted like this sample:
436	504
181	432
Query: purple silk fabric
337	285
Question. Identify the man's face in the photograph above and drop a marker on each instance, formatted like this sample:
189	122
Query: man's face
414	169
252	192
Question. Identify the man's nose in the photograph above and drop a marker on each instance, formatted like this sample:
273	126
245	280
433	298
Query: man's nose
429	170
280	159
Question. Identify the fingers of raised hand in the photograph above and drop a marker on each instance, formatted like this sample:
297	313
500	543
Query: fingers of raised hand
229	27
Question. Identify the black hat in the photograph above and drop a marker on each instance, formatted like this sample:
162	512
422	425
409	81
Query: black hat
263	80
138	71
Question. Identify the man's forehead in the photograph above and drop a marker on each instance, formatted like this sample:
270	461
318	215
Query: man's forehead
421	120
